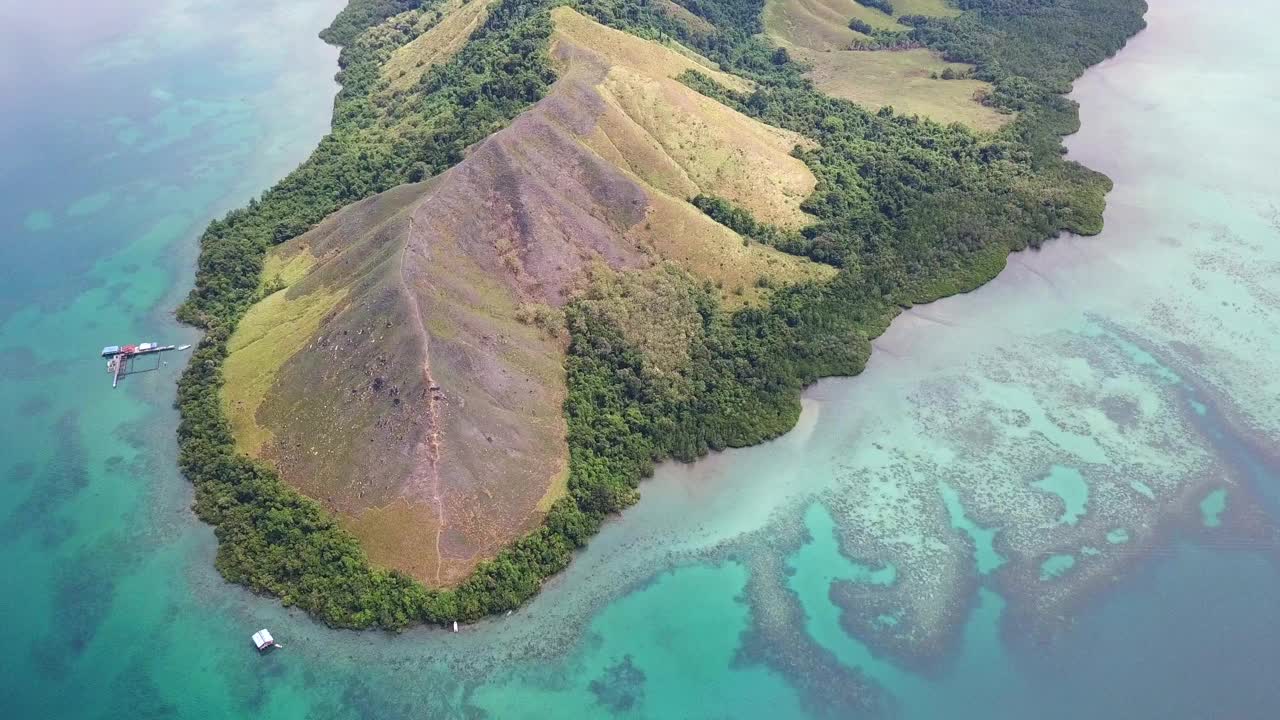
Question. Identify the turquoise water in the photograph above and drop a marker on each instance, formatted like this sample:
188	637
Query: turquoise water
128	125
1211	508
901	553
1070	487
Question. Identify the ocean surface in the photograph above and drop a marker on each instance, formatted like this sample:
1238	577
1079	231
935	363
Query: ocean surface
1054	497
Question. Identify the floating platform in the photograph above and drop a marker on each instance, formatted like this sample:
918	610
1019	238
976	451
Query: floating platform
264	642
120	358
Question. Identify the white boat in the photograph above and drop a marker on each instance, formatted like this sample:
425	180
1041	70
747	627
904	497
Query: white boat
184	347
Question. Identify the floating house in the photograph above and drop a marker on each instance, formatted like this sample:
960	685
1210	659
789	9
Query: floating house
263	640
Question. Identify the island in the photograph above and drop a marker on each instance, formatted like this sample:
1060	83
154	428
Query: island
549	244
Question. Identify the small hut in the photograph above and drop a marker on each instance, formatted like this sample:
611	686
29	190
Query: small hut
263	640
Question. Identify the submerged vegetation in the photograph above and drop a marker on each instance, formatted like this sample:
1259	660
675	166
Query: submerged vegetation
907	209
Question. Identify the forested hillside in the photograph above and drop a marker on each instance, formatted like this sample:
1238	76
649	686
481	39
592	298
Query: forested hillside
905	210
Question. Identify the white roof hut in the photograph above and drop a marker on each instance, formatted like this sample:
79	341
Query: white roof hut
263	640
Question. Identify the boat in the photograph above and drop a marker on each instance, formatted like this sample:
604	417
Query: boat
184	347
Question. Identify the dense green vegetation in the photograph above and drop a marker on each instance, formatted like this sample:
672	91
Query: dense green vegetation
860	25
882	5
360	15
880	39
908	209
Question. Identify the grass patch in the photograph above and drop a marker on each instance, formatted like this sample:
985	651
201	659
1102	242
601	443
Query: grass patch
870	16
820	24
684	235
694	23
928	8
817	32
824	24
904	80
400	535
271	332
621	48
453	22
558	488
282	268
683	143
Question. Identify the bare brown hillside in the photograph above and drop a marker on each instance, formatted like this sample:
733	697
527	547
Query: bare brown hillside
398	379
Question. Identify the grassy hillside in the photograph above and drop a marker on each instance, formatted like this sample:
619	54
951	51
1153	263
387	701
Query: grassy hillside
393	374
545	230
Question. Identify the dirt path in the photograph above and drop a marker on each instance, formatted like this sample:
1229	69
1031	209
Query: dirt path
433	440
